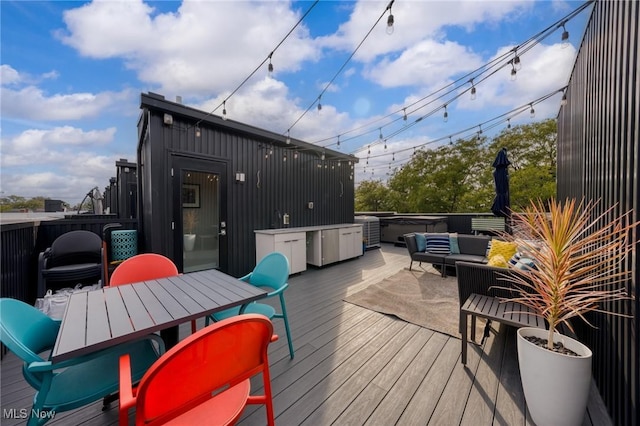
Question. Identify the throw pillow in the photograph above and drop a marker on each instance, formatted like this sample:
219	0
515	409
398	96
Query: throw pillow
497	261
506	249
525	264
421	241
453	243
514	259
438	243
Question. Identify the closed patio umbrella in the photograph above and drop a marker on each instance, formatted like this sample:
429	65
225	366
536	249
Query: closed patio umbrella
501	202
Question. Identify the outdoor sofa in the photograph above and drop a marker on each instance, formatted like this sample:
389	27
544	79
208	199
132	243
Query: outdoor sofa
472	248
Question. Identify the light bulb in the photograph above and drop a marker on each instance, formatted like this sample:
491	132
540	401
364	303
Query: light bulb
514	73
380	137
390	24
270	68
288	140
565	37
446	114
532	112
197	132
517	63
404	117
473	92
563	102
224	110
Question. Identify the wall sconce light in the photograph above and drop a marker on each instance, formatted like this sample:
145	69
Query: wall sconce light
240	177
168	119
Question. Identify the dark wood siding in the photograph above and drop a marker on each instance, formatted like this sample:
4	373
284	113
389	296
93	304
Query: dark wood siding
598	157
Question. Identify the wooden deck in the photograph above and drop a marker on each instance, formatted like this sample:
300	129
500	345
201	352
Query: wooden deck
354	366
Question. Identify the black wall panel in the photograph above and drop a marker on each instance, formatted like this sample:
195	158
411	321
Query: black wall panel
273	185
598	157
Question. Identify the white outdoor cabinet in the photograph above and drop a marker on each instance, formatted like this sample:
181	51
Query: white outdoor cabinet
350	242
316	245
292	244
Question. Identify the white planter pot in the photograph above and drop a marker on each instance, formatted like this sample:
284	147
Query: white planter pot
556	386
189	241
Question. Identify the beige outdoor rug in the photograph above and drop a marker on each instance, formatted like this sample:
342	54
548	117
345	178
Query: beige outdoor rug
422	298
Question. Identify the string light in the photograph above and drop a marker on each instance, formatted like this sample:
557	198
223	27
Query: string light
319	103
224	110
390	19
404	116
338	141
516	60
565	36
270	66
197	131
532	112
446	114
473	90
508	123
288	140
563	102
514	73
380	137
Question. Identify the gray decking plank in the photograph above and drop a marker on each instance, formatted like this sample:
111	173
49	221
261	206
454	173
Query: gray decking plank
366	369
481	402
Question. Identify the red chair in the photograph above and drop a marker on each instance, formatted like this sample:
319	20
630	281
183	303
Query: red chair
204	379
144	267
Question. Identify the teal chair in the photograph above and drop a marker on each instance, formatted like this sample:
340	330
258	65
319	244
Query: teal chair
70	384
272	273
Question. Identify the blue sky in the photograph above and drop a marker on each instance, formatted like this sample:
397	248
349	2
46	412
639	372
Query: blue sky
72	74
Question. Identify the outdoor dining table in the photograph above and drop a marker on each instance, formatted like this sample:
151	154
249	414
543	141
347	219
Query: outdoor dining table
98	319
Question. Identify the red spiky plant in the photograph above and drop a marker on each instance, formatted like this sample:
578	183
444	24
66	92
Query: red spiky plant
579	260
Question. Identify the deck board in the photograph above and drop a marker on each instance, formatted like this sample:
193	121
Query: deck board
353	366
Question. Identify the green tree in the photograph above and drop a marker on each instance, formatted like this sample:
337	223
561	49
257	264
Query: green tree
438	180
373	196
458	177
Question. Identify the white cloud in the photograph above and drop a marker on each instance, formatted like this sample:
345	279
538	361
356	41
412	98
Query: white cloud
415	21
545	68
33	103
427	63
52	147
198	50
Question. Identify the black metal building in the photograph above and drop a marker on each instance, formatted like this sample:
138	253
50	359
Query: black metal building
205	184
598	158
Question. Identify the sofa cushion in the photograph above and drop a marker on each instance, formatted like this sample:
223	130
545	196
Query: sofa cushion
437	243
421	241
453	258
473	244
453	243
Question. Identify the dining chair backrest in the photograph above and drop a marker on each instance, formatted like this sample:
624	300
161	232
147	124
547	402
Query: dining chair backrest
25	330
75	247
204	365
272	271
142	267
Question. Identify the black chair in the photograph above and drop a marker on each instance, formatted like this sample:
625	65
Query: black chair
74	258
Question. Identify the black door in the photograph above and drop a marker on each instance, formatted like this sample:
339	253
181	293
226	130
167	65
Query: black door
200	213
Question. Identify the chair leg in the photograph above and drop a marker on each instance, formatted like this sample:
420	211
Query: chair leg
463	322
286	325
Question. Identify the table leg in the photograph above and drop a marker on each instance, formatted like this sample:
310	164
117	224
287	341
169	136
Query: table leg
170	336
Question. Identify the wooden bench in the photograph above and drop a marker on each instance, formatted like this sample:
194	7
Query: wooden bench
491	224
509	313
